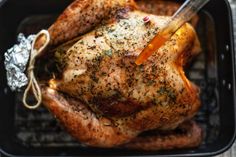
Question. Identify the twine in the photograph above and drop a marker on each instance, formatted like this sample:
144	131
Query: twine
33	84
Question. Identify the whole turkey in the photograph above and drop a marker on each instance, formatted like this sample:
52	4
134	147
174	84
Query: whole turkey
102	97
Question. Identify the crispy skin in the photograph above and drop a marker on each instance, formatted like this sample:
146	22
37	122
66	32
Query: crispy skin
190	136
158	7
84	125
162	8
81	16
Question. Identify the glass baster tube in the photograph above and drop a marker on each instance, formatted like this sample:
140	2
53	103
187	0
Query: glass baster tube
182	15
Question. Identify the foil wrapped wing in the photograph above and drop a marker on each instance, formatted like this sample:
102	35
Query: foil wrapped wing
16	59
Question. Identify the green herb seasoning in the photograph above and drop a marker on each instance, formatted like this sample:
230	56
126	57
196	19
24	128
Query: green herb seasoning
170	93
150	82
162	90
81	42
108	52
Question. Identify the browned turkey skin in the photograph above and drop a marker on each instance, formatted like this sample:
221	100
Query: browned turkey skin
101	97
187	137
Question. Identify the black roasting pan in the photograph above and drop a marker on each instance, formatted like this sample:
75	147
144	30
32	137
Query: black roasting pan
36	133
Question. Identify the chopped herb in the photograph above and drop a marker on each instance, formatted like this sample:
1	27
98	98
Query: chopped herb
154	69
171	94
108	52
162	90
104	74
111	29
94	78
141	67
150	82
92	47
81	42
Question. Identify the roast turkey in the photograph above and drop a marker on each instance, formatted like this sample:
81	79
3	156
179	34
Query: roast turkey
102	97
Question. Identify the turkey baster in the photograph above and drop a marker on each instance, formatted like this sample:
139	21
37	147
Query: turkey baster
182	15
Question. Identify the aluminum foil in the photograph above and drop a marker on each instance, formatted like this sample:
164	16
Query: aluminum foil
16	59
